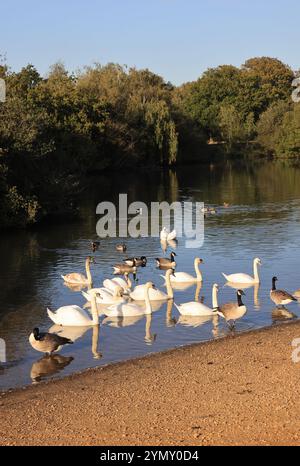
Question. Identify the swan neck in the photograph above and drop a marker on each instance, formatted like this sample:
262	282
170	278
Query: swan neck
95	314
255	271
88	271
198	271
129	282
169	287
215	298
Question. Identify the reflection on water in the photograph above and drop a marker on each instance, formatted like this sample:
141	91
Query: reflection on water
262	220
48	365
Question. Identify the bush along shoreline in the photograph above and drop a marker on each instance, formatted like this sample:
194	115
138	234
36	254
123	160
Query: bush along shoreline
55	130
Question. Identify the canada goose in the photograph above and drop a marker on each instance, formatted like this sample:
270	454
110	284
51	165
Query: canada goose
47	342
123	268
74	315
166	262
48	365
183	277
232	311
166	235
79	278
132	309
121	247
95	245
280	297
243	277
105	296
199	309
137	261
111	284
138	294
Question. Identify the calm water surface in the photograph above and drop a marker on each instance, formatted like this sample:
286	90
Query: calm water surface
263	221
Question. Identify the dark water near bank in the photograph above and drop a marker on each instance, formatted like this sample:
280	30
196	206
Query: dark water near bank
262	221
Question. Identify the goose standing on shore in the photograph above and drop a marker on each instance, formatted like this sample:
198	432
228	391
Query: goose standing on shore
243	277
233	311
74	315
79	278
280	297
138	294
183	277
199	309
132	309
47	342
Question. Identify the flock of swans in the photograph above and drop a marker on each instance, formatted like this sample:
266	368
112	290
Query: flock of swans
118	297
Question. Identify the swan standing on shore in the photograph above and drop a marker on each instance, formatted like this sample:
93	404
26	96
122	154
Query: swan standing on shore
131	309
198	309
138	294
243	277
183	277
74	315
79	278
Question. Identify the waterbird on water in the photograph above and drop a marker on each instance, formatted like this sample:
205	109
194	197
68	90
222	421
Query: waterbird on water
183	277
243	277
76	316
79	278
166	262
95	245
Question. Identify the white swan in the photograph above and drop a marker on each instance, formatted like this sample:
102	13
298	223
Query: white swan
105	296
243	277
74	315
138	294
112	284
131	309
166	235
198	309
183	277
79	278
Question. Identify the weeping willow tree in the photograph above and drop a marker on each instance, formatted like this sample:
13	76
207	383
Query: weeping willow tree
158	119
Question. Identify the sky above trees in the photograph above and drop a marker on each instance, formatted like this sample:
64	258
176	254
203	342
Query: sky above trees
174	38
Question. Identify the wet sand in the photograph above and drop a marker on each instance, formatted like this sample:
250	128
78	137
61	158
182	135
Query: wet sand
242	390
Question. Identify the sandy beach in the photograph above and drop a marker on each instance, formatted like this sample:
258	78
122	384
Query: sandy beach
242	390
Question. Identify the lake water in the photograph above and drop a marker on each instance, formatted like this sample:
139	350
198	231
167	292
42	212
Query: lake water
262	221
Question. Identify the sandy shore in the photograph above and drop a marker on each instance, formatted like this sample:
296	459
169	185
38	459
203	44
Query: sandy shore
239	390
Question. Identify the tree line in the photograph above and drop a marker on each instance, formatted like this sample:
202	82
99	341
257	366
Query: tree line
57	129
